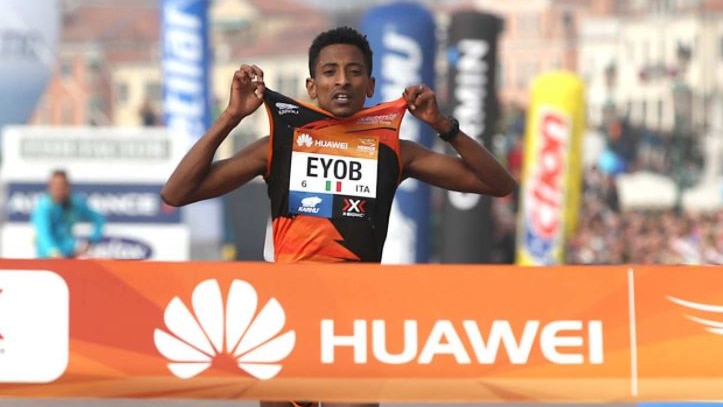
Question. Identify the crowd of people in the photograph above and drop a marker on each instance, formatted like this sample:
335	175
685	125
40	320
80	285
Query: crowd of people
608	234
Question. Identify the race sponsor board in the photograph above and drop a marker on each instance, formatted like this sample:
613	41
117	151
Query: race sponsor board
551	178
467	224
120	171
392	333
34	326
119	203
89	154
120	241
404	37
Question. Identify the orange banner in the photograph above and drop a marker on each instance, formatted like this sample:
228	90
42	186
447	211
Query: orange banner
359	332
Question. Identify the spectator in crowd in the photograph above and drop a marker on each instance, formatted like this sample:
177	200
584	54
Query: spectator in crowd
55	216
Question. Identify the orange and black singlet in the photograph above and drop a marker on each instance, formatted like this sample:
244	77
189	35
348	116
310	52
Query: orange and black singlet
331	180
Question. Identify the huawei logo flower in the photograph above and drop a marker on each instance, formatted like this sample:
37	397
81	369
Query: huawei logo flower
304	140
195	338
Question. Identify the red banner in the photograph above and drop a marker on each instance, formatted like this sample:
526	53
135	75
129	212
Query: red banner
359	332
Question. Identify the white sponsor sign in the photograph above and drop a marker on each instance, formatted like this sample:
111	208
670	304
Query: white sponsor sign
120	169
168	242
34	326
90	154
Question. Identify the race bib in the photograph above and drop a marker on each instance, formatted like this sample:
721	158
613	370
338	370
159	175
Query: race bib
333	175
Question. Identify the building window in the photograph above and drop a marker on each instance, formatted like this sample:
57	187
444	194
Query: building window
121	93
661	106
646	52
630	50
153	91
644	113
95	104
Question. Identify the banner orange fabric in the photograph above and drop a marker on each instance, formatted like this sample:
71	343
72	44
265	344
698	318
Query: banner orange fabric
359	332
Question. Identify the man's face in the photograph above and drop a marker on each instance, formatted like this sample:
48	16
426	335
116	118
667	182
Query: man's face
59	189
341	82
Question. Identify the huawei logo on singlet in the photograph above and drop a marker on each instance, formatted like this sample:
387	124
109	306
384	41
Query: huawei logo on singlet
304	140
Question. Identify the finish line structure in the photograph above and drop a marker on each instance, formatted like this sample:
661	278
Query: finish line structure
356	332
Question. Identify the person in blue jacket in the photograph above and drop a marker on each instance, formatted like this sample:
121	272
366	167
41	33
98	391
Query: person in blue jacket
55	215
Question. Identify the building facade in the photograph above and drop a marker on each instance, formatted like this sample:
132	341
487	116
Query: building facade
539	36
655	67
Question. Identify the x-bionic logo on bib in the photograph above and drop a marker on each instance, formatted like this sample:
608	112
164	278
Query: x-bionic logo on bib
354	208
333	175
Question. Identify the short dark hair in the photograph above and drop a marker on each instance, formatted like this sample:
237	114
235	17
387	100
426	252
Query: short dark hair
59	173
340	35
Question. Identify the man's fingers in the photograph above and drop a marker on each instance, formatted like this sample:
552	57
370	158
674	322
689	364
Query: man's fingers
260	89
249	73
252	75
414	95
422	98
259	80
258	73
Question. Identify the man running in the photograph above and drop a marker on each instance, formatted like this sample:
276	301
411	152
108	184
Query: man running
340	66
332	169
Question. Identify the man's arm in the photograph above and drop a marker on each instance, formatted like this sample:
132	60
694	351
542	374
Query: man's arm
91	215
43	236
476	170
197	177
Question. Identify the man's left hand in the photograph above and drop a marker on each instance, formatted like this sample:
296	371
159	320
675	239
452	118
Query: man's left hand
422	103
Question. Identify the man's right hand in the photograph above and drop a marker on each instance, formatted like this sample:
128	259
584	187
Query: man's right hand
82	250
247	91
198	176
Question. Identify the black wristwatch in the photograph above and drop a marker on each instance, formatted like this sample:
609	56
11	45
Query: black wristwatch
453	130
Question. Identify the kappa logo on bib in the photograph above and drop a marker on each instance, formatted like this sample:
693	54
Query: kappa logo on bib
338	169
